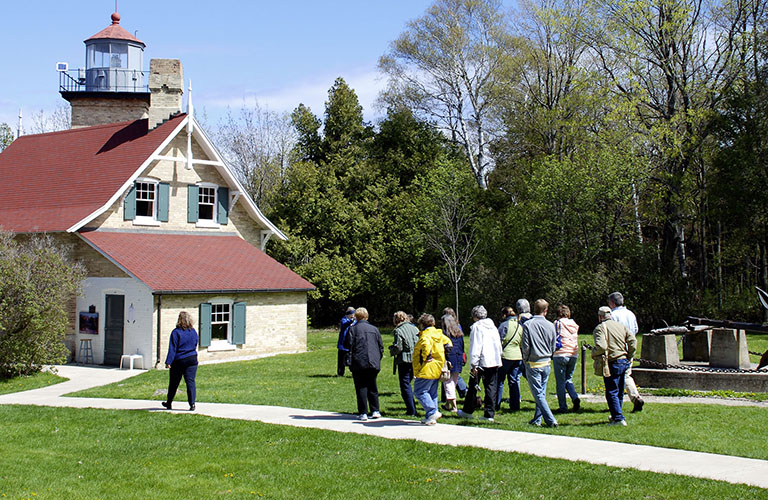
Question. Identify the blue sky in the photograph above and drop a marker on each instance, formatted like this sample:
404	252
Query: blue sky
281	52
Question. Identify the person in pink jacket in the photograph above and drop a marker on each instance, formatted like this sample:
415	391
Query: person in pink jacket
565	358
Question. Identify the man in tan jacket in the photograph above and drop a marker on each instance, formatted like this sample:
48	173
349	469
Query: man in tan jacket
615	345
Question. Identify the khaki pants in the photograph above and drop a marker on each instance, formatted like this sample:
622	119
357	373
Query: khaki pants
629	384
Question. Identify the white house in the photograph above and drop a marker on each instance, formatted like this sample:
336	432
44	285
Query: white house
155	214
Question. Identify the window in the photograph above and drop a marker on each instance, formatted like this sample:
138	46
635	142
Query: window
145	199
222	324
206	203
146	202
220	321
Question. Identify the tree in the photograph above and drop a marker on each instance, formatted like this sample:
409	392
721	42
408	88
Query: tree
37	280
448	223
736	199
6	135
320	205
449	66
547	109
59	119
257	143
673	61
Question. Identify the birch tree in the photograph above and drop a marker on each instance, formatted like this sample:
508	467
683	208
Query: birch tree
449	66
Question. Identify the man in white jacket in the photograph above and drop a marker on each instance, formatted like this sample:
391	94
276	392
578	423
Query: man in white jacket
484	362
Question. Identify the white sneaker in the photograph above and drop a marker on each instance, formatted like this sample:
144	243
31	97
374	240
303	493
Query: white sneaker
487	419
428	421
618	422
435	416
363	417
463	414
375	415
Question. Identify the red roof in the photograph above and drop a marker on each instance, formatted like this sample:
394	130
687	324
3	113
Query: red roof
195	263
115	32
53	181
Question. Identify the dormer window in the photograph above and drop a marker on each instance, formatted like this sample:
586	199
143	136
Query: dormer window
146	202
146	192
207	204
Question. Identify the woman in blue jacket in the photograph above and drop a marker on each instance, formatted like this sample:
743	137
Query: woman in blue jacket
182	360
455	357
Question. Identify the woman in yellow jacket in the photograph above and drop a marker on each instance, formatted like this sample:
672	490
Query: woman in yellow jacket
428	359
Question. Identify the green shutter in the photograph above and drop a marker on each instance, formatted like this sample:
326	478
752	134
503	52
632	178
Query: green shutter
192	200
223	212
129	206
163	194
238	324
205	325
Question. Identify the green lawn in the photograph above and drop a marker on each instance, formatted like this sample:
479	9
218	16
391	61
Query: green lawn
19	384
55	453
306	381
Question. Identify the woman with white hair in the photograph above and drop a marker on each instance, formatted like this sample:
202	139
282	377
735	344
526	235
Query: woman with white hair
484	361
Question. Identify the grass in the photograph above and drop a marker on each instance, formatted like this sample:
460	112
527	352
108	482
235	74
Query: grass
27	383
307	381
754	396
87	453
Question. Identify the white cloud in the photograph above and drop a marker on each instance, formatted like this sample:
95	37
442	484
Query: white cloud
312	92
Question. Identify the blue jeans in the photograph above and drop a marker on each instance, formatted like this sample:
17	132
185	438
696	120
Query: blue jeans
564	367
405	374
537	380
461	387
614	387
425	390
510	370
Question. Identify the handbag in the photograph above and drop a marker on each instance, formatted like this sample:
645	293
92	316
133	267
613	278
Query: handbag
606	368
445	373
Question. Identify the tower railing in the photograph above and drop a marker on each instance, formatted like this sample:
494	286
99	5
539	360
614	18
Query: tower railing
103	80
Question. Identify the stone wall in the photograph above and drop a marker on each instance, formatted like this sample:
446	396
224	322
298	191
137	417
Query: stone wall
166	86
275	323
89	111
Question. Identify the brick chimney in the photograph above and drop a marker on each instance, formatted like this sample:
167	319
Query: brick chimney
166	86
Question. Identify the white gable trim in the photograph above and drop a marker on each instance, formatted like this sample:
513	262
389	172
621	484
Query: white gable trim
223	169
130	180
218	162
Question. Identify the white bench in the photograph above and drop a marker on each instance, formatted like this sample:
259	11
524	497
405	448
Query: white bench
131	358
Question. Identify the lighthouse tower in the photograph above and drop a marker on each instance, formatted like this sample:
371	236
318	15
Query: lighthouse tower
113	86
114	60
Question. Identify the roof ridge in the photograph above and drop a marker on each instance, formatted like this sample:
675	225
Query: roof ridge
78	129
100	126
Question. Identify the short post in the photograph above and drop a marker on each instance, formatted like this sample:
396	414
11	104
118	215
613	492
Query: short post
583	368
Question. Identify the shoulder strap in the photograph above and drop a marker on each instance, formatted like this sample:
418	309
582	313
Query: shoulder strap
607	340
506	342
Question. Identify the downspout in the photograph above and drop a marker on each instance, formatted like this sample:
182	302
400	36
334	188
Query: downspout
159	311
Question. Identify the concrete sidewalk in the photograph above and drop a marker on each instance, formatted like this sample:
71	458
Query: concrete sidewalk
663	460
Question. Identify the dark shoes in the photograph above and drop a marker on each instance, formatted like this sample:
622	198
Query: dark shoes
192	407
166	405
576	405
638	405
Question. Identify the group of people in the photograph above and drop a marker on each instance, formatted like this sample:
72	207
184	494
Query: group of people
524	344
